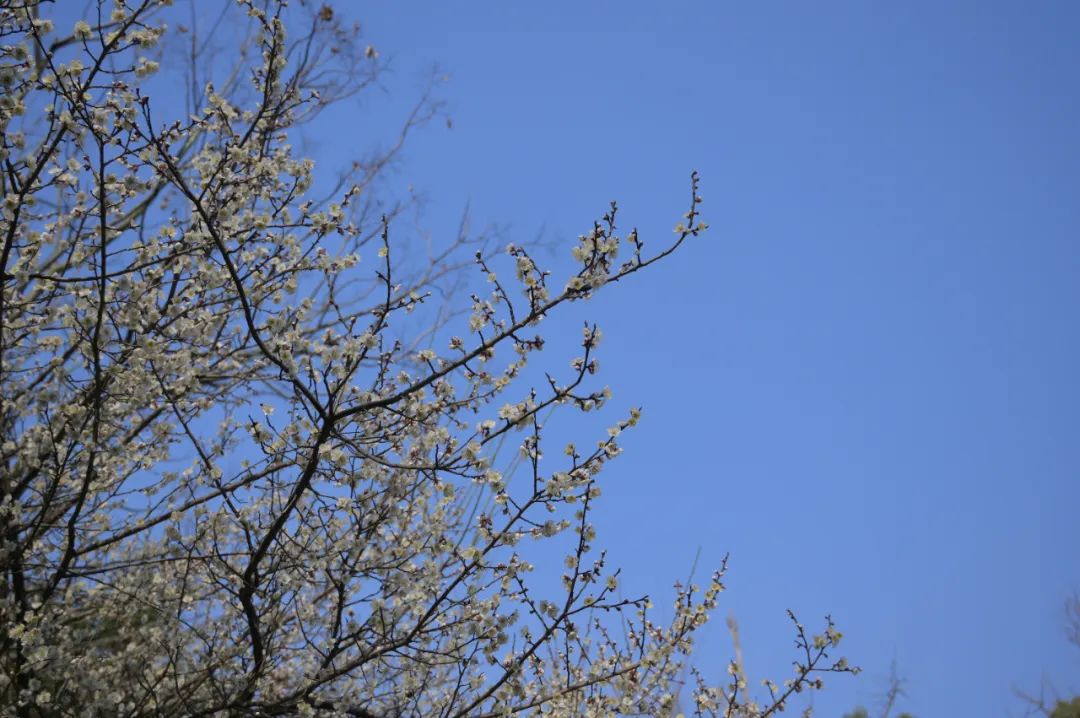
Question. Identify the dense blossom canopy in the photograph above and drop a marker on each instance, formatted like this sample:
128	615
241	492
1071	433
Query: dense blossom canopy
234	481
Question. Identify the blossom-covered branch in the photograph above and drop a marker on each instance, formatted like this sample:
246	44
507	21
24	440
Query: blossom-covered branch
237	476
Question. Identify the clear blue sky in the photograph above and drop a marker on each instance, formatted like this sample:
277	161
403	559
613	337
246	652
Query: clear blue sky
864	382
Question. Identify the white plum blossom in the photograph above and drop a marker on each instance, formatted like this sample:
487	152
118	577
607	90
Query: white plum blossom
237	477
82	30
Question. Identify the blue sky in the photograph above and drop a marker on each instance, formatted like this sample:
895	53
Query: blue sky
862	383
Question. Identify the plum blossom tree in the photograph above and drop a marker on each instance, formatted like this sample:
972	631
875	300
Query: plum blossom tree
234	480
